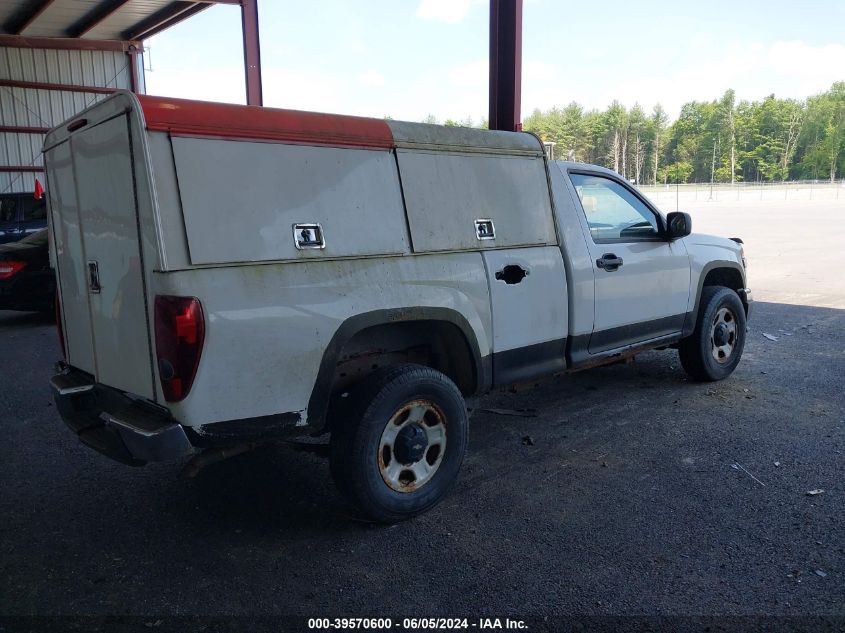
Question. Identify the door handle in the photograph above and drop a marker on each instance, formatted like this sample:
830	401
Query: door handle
512	274
609	262
94	277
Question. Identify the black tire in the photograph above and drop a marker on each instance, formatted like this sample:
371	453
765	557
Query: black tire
357	454
701	356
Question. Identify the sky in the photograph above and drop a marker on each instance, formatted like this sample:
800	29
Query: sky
411	58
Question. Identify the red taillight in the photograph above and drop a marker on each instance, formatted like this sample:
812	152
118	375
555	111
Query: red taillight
58	307
180	333
10	268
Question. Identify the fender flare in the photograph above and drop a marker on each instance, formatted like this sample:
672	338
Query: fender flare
692	316
319	401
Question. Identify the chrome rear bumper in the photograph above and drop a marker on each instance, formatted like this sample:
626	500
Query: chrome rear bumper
120	426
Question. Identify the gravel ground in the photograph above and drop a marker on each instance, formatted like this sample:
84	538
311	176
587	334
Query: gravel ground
625	490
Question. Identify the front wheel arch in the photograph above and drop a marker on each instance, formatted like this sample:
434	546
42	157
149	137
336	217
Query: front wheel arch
728	274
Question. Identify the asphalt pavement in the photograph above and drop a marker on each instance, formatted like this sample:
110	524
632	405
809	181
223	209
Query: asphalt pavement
621	491
624	490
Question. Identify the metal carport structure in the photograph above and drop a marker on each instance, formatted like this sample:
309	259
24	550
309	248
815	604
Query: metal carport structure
59	56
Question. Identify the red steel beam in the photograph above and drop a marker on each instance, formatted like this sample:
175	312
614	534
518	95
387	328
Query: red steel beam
65	43
20	169
505	65
23	129
252	52
40	85
134	78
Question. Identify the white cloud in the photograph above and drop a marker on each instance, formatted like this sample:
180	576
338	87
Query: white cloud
304	90
540	71
796	58
282	88
470	74
372	78
449	11
790	69
223	83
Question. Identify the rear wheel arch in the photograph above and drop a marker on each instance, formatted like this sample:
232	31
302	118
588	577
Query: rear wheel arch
439	338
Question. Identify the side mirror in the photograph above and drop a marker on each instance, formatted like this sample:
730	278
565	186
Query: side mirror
679	224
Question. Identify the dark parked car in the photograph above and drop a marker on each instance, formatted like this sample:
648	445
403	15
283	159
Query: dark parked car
21	214
26	280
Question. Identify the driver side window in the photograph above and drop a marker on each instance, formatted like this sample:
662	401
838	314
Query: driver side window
614	214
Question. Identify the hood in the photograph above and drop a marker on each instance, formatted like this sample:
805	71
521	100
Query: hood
702	239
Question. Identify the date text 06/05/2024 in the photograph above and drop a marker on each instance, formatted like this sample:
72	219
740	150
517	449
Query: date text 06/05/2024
417	624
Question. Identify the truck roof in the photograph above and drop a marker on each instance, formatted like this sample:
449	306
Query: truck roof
570	165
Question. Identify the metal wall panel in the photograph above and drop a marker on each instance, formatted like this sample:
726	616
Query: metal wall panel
46	108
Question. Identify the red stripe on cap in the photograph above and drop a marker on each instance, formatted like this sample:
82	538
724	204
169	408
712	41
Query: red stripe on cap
183	117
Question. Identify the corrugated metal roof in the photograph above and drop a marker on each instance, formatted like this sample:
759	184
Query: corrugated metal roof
96	19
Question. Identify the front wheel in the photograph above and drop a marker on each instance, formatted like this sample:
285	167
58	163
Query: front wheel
713	350
396	448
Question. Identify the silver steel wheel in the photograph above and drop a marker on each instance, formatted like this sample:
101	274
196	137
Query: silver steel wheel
412	446
723	335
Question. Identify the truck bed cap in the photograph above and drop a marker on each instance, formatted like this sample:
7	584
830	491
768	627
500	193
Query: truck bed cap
184	117
207	119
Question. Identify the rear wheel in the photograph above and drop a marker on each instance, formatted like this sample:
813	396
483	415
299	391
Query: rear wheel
396	448
714	349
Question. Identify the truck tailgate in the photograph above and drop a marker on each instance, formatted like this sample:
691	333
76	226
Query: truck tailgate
98	256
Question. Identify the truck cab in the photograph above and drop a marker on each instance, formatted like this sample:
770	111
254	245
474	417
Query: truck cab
232	275
646	270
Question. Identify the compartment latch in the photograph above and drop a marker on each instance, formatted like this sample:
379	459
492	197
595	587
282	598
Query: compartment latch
484	229
308	236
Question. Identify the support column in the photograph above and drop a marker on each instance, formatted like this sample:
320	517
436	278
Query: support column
505	65
252	52
134	75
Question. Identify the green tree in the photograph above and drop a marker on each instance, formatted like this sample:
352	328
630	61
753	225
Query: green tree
726	120
638	134
679	172
657	128
616	124
824	134
721	140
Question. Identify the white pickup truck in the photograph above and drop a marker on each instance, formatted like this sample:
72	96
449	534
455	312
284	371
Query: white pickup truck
232	275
